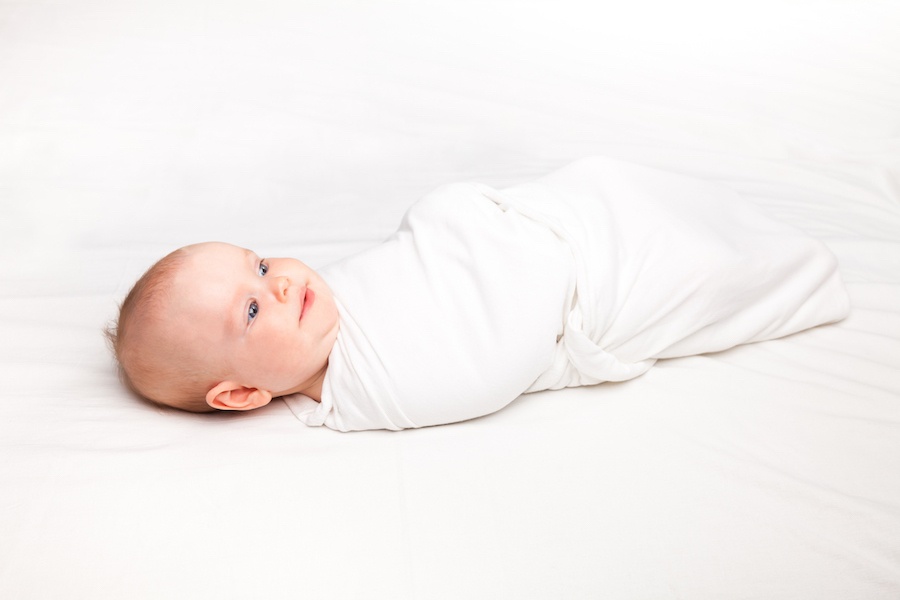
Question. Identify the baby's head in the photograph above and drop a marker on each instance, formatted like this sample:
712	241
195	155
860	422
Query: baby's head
213	326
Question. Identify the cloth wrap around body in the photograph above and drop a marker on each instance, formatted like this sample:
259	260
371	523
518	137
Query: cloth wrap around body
586	275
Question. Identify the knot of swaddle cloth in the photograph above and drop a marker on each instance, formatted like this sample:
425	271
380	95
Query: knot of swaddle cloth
592	361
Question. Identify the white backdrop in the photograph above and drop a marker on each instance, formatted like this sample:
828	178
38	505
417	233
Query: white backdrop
128	128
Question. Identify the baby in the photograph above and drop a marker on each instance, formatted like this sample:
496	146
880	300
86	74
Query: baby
589	274
214	326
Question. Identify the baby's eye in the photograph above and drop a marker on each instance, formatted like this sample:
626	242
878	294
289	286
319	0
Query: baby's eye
263	268
253	311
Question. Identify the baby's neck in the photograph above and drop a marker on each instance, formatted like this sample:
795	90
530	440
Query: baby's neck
311	387
315	392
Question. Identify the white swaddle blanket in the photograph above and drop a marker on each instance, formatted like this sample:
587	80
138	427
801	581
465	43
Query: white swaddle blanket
586	275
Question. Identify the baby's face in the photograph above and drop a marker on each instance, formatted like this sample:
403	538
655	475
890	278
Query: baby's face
271	321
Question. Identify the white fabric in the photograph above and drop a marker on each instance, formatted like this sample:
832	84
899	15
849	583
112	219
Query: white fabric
307	128
584	276
453	317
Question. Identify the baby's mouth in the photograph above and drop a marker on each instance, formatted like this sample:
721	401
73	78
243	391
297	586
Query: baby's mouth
308	298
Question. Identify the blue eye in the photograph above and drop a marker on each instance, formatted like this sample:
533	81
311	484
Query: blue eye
263	268
254	310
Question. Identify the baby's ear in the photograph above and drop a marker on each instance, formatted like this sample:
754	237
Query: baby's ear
230	395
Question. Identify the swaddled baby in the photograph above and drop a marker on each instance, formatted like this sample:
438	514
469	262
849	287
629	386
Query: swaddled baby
586	275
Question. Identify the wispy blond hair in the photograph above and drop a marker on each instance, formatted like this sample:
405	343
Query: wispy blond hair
151	362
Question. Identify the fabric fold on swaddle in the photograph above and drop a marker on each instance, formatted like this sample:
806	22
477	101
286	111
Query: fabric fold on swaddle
589	274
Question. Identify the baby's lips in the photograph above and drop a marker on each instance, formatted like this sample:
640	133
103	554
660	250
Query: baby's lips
309	298
302	301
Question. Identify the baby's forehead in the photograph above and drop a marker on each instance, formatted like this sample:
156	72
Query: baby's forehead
215	254
207	275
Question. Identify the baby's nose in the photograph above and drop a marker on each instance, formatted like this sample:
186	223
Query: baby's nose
281	287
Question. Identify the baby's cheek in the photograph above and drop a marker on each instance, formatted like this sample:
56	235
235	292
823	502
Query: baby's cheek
289	353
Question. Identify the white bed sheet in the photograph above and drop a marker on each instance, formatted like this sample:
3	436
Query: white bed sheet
306	128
